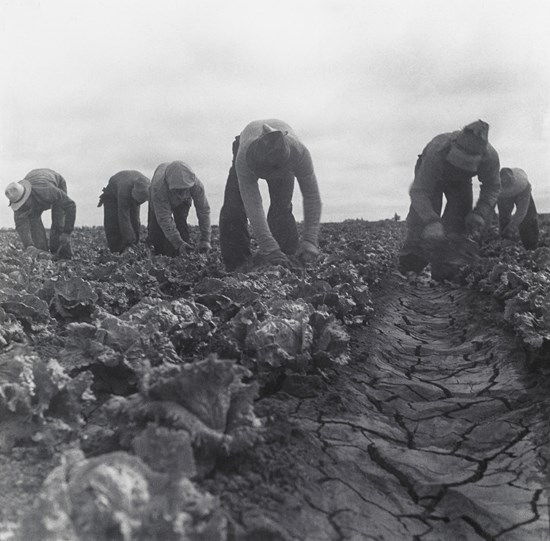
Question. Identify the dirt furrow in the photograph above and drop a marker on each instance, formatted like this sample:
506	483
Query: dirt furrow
433	432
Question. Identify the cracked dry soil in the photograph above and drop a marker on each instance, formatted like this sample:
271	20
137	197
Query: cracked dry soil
437	430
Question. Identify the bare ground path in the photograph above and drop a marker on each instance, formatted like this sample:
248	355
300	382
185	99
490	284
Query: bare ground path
437	430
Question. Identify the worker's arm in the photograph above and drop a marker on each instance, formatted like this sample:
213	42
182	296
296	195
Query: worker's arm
202	208
309	187
489	177
253	204
428	173
522	206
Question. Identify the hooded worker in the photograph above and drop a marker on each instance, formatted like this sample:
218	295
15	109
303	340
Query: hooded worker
516	192
269	149
446	167
121	200
41	190
173	188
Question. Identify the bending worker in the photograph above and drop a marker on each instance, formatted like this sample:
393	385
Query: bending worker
446	167
121	199
269	149
173	188
516	192
41	190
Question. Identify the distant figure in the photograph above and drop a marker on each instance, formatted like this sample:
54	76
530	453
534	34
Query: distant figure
41	190
516	192
269	149
446	167
173	188
121	199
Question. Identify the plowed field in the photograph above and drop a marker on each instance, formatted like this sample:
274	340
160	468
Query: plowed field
338	402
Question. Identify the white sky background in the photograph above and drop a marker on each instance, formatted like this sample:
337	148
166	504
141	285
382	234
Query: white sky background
92	87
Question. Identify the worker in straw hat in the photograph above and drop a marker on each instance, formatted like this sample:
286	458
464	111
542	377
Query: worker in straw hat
174	187
446	167
121	200
269	149
516	192
41	190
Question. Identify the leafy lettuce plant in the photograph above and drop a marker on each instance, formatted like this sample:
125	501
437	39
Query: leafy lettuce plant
38	400
209	402
117	496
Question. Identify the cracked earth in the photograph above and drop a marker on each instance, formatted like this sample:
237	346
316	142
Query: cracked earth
437	430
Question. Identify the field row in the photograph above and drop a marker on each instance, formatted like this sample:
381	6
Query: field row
145	369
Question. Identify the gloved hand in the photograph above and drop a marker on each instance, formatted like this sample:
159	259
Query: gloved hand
433	232
307	252
276	257
204	247
474	224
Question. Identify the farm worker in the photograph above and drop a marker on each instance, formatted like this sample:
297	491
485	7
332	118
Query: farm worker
446	167
173	188
269	149
40	190
516	192
121	199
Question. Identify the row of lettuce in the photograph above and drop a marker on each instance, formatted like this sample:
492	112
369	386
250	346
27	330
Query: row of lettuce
518	281
144	371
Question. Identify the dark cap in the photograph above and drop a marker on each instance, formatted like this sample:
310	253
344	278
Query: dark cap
468	147
269	153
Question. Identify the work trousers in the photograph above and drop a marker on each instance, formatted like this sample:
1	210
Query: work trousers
38	232
529	227
234	234
155	234
415	253
111	221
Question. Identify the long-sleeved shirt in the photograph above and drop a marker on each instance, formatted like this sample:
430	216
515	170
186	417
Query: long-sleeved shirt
121	186
517	193
163	203
48	191
299	163
431	171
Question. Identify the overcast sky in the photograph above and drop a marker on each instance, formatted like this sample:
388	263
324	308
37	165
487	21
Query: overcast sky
92	87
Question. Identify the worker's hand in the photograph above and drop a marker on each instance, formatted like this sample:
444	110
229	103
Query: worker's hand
307	252
34	251
184	248
276	257
433	232
510	232
474	224
204	247
64	250
64	238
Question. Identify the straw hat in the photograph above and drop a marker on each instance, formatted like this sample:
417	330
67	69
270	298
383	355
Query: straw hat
18	193
468	147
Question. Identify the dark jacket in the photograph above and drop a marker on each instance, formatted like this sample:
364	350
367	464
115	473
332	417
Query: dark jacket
120	188
299	164
431	170
48	191
515	193
162	204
